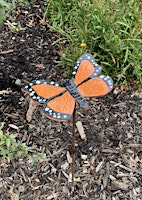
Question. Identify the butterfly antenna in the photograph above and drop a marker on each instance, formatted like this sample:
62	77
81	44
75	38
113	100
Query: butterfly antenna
73	146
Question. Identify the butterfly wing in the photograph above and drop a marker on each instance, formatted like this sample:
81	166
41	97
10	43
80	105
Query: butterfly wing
42	90
60	108
96	87
85	67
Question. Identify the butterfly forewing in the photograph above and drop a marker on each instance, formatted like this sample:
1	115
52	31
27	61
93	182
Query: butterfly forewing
61	107
95	87
41	90
85	67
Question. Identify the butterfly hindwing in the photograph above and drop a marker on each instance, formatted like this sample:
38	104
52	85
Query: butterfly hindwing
41	90
96	87
60	108
84	68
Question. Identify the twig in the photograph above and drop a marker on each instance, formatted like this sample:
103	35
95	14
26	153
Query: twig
133	145
8	51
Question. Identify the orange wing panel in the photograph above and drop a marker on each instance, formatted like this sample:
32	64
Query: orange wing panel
47	91
95	87
85	70
63	104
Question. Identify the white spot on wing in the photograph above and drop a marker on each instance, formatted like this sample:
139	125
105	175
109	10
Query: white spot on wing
32	93
46	109
38	82
52	82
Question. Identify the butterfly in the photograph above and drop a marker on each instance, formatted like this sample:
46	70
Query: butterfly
59	100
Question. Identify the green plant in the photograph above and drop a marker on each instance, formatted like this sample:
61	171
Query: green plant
6	9
9	147
37	157
112	31
15	28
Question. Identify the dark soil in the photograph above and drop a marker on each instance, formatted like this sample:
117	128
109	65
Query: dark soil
108	164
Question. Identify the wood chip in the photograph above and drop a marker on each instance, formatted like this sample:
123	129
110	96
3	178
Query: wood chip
8	51
134	145
65	166
67	176
69	158
13	126
21	188
52	196
81	130
99	166
120	185
2	92
84	188
30	111
126	168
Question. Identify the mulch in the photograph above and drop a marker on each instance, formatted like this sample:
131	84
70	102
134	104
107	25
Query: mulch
108	161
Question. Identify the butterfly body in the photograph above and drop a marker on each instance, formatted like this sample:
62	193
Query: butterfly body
60	99
72	89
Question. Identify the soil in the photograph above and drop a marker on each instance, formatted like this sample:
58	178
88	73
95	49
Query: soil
108	163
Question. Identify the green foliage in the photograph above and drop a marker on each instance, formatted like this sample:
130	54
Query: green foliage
9	147
15	28
7	7
112	31
16	197
37	157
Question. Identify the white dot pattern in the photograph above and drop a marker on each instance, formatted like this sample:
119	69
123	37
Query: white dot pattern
108	81
56	115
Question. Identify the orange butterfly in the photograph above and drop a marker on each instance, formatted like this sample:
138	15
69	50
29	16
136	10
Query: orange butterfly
60	99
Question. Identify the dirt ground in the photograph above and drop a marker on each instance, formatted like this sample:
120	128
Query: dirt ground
108	164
